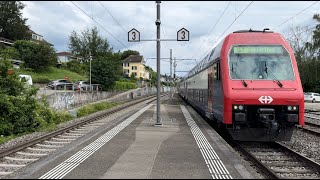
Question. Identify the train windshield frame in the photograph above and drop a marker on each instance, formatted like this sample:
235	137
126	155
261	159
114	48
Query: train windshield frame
249	62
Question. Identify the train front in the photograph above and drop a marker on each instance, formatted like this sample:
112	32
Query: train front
263	96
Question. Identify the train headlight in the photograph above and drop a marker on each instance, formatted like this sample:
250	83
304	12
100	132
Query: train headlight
292	108
238	107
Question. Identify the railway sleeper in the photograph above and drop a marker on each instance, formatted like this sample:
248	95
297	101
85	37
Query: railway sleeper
12	165
6	173
281	164
293	171
266	158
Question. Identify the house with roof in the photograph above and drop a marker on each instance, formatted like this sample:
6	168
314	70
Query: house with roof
64	57
135	65
38	38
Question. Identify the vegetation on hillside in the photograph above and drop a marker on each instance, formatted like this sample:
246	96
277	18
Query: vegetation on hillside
306	45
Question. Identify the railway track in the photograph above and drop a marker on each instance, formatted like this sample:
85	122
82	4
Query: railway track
315	116
22	154
311	128
278	162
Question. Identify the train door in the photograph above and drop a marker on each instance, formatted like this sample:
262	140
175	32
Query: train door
210	92
217	105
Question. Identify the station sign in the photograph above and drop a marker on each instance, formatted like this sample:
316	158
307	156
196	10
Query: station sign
183	35
133	35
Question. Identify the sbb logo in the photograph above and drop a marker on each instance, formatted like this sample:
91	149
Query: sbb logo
265	99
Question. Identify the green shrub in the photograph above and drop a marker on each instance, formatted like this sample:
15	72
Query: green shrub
121	86
41	79
17	114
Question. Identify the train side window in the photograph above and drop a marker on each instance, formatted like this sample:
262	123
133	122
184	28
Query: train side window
216	71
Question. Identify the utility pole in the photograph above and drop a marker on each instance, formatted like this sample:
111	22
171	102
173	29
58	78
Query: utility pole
170	72
90	69
174	68
158	22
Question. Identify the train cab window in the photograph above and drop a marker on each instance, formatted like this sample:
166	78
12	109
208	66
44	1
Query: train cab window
260	62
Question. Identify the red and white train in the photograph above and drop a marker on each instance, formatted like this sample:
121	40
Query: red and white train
250	84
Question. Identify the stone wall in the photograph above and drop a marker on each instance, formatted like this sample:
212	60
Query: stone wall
62	100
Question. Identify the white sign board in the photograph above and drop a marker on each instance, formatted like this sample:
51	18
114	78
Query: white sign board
183	35
133	35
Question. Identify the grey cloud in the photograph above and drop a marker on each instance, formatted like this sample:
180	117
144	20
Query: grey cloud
56	20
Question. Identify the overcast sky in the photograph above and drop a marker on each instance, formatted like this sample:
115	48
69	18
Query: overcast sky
55	20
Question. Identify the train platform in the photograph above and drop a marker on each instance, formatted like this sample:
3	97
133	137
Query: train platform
183	147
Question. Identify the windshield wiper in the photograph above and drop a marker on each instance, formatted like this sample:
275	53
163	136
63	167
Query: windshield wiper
274	77
235	73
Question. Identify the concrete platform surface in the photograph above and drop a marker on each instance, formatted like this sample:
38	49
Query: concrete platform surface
183	147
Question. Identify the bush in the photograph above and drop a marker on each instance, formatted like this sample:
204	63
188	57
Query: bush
41	80
17	114
75	66
121	86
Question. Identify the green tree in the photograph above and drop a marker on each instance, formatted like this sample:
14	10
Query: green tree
36	56
127	53
314	46
153	75
307	53
88	41
10	52
12	24
106	70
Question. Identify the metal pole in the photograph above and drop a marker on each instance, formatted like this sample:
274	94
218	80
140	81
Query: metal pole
170	72
174	67
90	69
158	22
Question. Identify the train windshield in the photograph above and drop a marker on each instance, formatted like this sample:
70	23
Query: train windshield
255	62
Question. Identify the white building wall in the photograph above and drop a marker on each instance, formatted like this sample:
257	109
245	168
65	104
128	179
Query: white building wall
63	59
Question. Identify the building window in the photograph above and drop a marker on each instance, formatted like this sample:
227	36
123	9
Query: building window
134	67
125	64
134	74
126	71
34	36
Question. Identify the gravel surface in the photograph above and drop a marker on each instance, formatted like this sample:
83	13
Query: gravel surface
305	144
314	121
21	139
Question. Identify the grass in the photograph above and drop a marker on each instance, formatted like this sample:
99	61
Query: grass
92	108
52	74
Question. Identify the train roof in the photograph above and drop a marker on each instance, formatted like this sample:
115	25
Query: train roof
215	52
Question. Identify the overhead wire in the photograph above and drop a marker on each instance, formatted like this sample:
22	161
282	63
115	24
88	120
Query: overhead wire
117	22
99	25
295	15
206	52
214	27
